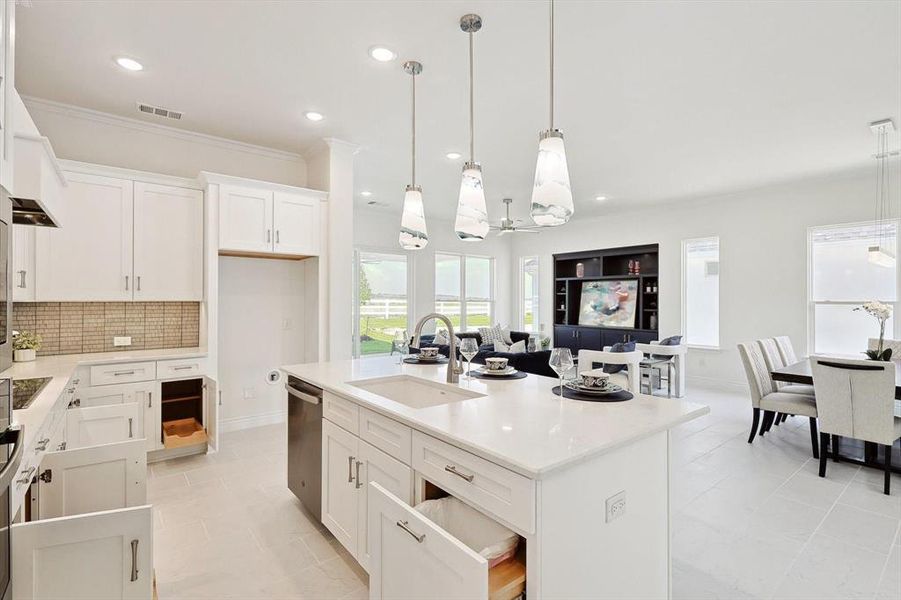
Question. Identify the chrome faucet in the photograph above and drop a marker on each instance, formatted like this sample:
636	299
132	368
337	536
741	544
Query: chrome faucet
453	369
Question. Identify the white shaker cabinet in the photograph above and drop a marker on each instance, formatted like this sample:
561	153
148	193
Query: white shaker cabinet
296	224
146	395
90	259
7	91
23	263
168	243
245	219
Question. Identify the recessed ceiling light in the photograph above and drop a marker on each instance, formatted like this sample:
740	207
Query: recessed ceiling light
313	116
129	64
366	194
453	155
600	198
382	54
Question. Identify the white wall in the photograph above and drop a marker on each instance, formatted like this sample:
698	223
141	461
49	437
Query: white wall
378	229
261	320
763	257
99	138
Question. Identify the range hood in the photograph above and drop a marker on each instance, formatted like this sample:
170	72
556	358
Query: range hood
38	180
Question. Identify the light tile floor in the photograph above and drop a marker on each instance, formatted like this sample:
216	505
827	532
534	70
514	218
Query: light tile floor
750	521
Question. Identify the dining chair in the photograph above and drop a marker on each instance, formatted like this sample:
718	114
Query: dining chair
856	399
786	350
765	397
775	359
631	360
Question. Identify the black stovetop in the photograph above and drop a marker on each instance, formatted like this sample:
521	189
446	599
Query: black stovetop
26	390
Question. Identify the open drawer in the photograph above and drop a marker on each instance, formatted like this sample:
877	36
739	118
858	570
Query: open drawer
90	530
411	558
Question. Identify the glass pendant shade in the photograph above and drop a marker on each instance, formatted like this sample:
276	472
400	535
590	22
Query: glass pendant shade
413	234
471	224
552	198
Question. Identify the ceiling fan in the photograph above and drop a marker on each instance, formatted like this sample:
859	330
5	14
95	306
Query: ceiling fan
508	225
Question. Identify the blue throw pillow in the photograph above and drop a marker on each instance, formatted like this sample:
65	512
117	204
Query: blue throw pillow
673	340
619	347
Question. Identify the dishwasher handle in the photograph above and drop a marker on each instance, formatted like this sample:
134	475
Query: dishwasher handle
293	391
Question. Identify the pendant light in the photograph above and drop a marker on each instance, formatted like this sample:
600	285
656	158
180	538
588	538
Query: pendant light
413	234
471	223
881	254
552	197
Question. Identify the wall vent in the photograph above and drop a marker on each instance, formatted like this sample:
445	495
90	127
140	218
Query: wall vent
159	111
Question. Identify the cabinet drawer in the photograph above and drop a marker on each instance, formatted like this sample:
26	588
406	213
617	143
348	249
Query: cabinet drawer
183	367
341	412
123	373
490	487
386	434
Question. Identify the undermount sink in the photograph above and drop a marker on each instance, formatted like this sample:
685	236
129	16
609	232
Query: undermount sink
414	392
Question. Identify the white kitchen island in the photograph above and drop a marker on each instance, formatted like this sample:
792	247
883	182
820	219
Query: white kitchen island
584	484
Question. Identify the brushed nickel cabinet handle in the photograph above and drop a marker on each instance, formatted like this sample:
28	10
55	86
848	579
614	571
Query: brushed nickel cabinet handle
126	283
134	560
119	373
139	283
359	483
130	432
416	536
26	478
21	279
452	469
149	399
268	236
277	241
350	469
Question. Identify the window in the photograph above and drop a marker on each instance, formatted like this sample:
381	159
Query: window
701	292
380	309
464	289
529	314
841	278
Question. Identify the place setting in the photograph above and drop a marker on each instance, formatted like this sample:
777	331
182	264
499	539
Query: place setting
589	386
426	356
495	368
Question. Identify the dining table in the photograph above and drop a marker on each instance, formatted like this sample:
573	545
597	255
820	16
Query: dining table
854	451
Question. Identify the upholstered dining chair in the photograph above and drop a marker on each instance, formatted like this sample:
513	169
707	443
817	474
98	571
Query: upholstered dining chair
765	397
631	360
856	399
786	350
775	359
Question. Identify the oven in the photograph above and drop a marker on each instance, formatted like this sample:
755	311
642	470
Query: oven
6	350
12	442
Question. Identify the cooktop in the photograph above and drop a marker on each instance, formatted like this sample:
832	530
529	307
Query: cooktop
26	390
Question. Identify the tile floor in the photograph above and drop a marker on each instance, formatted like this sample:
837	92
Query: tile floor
750	521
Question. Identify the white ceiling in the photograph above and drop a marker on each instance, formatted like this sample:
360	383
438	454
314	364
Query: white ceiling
658	100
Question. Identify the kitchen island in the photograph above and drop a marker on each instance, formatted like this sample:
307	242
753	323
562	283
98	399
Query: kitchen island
584	484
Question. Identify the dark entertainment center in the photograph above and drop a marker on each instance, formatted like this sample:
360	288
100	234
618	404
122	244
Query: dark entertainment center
610	265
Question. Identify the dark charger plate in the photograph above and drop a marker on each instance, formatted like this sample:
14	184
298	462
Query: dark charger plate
412	360
574	395
477	375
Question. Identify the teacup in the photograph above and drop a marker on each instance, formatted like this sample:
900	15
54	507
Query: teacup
428	353
598	381
496	363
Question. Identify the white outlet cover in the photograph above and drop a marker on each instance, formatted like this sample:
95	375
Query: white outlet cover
616	506
123	340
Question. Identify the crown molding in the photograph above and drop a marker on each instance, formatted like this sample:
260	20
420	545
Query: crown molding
208	177
336	144
97	116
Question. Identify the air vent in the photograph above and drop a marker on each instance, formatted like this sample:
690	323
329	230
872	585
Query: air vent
159	111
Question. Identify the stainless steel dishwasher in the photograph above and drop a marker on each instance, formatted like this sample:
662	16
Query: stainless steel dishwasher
305	443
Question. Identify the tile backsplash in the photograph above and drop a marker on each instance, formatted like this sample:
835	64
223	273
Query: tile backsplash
76	327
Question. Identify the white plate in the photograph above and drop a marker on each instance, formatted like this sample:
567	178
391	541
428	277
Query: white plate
507	371
611	388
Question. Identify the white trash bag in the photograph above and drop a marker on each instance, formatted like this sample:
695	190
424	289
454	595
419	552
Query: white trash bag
481	533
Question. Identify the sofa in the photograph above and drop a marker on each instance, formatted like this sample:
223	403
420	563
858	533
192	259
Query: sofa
528	362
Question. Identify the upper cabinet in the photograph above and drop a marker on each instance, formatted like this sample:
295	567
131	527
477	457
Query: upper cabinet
275	221
7	89
122	240
168	243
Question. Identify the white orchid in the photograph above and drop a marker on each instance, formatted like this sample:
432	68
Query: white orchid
882	312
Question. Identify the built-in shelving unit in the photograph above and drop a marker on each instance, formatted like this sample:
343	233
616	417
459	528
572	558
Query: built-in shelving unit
182	413
599	265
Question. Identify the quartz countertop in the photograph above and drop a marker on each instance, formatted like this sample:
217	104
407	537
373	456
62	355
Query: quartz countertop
61	368
519	424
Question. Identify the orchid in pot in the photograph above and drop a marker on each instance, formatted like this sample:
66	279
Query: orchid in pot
25	345
882	313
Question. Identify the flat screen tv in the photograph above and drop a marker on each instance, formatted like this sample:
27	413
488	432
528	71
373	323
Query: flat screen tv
610	303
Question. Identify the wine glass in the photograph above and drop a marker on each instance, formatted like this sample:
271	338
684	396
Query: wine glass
400	343
468	349
561	361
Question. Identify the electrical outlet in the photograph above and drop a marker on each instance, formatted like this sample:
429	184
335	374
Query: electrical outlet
250	393
616	506
123	340
287	324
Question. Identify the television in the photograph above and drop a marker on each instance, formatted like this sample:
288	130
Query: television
609	303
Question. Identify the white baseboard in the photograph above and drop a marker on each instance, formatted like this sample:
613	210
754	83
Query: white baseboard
713	382
246	422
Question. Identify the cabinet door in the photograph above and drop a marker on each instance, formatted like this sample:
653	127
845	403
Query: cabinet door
412	558
97	425
146	395
92	479
388	472
211	412
7	90
565	337
168	243
245	219
23	263
296	224
99	555
339	493
590	339
90	259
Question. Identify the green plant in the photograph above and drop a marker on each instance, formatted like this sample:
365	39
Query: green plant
27	340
